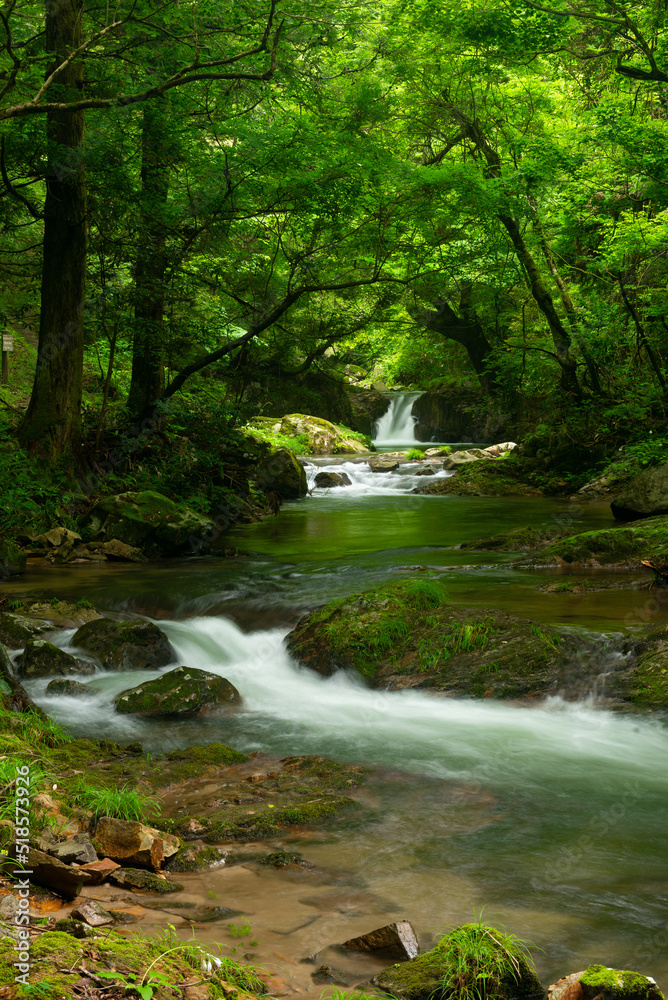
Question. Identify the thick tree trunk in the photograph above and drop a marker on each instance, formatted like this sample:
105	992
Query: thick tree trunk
52	426
148	373
466	329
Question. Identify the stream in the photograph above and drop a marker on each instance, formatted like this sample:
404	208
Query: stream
548	819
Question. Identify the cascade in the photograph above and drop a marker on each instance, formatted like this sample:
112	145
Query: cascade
396	428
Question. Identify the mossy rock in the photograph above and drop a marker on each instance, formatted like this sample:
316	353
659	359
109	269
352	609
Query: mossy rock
183	691
472	961
407	634
144	881
645	496
283	474
612	984
624	547
194	858
16	629
484	478
43	659
324	438
148	521
64	687
524	539
130	645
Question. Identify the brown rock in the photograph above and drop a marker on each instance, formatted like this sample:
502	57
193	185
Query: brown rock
64	880
114	549
99	870
397	941
568	988
133	843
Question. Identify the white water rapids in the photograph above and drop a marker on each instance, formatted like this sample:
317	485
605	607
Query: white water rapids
365	482
396	428
495	743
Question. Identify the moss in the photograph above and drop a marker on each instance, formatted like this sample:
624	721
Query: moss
523	539
621	985
406	633
485	478
194	859
272	822
623	547
137	878
17	630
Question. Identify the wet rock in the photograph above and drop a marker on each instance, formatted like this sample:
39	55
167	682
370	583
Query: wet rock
75	928
427	471
100	870
42	659
129	645
205	914
457	458
284	859
383	464
77	849
645	496
91	913
72	689
148	521
326	974
183	691
398	941
136	878
13	696
16	630
324	438
281	473
64	880
127	841
524	539
328	480
485	479
195	857
452	966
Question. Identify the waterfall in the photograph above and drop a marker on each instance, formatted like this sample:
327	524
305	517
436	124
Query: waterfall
396	428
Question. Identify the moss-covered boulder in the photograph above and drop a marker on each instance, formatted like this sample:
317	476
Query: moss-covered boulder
130	645
524	539
194	858
183	691
282	473
43	659
64	687
407	634
17	629
323	437
623	547
472	960
148	521
613	984
502	478
329	480
645	496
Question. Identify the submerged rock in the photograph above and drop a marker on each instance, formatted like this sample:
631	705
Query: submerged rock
407	634
473	960
43	659
148	521
327	480
65	687
645	496
136	878
281	473
194	858
130	645
183	691
398	941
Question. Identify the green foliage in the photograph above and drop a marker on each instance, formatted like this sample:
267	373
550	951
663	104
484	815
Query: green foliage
414	453
121	803
482	961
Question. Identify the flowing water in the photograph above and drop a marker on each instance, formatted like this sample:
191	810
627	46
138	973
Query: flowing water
396	428
551	818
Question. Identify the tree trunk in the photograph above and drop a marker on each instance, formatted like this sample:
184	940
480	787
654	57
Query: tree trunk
52	426
148	373
466	330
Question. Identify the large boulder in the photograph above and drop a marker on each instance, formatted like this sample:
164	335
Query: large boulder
12	559
148	521
16	629
64	687
43	659
132	645
384	464
484	479
472	960
644	496
282	473
132	843
183	691
407	634
65	880
323	437
395	941
459	414
13	696
599	982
